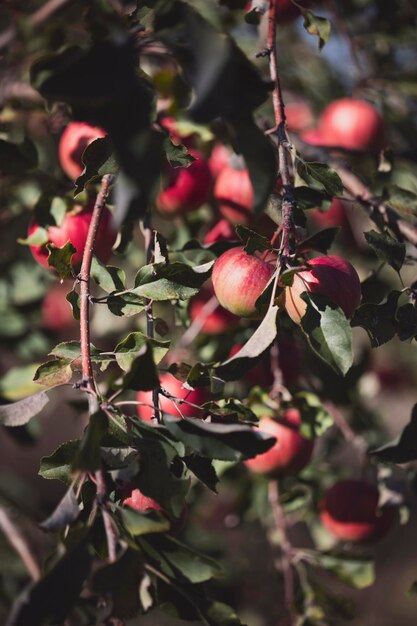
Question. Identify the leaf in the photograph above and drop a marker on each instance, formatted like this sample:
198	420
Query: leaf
328	332
109	278
20	412
51	598
308	198
316	420
203	469
177	155
143	373
316	25
226	442
127	350
57	466
320	241
252	241
378	319
60	259
407	321
358	573
127	304
387	248
403	449
53	373
220	614
242	361
328	178
142	523
64	513
73	298
98	160
168	282
88	457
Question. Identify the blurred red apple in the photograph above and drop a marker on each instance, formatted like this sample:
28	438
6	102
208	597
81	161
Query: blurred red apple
349	510
187	188
334	216
74	140
56	310
331	276
233	193
219	158
299	116
221	231
74	228
240	278
290	453
216	322
174	387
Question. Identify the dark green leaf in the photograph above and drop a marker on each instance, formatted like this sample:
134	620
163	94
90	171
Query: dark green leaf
203	469
404	448
109	278
142	523
407	321
387	248
168	282
20	412
64	513
320	241
57	466
378	319
132	346
252	241
320	173
88	457
98	160
73	298
17	158
60	259
328	332
177	155
143	373
127	304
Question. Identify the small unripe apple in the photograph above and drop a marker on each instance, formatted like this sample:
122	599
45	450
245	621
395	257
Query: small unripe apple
290	453
222	231
174	387
74	228
331	276
240	278
352	124
218	321
74	140
187	188
349	510
56	310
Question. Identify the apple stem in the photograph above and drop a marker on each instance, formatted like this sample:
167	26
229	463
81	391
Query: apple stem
288	204
150	248
285	544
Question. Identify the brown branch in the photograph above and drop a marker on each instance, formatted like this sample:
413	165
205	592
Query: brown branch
84	277
285	545
284	156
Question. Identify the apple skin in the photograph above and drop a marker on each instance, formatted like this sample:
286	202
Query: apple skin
187	189
290	453
233	192
349	510
173	386
56	310
334	216
74	228
352	124
219	158
217	322
299	116
74	140
240	278
331	276
222	231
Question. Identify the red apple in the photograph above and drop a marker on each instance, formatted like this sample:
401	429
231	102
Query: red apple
313	136
349	510
187	189
352	124
178	137
74	140
174	387
74	228
216	322
331	276
56	310
240	278
334	216
299	116
222	231
290	453
219	158
233	193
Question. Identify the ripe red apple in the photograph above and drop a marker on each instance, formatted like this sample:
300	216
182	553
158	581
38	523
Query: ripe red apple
177	136
174	387
56	310
74	228
299	116
233	192
74	140
218	321
187	188
334	216
352	124
221	231
240	278
219	158
349	510
290	453
331	276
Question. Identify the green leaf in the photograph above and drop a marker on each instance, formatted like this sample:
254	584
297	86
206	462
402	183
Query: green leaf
378	319
328	332
320	241
109	278
316	420
127	304
57	466
73	298
53	373
177	155
168	282
60	259
252	241
318	26
142	523
18	382
132	346
98	160
88	457
226	442
329	179
221	614
64	513
357	572
203	469
20	412
403	448
262	338
143	373
387	248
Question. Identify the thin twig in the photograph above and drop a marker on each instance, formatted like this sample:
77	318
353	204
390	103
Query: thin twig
20	544
197	324
109	527
285	545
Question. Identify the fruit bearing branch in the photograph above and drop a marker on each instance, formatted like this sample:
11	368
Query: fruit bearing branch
284	157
